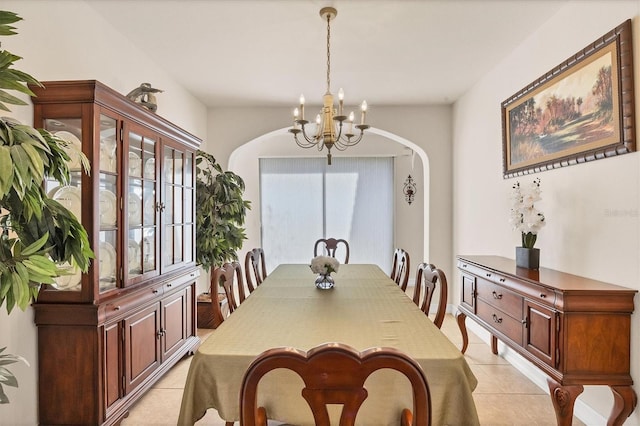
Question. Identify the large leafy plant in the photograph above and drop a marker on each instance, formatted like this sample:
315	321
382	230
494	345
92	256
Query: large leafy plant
37	234
220	212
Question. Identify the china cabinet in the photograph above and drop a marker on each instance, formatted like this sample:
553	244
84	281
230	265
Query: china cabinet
576	330
106	336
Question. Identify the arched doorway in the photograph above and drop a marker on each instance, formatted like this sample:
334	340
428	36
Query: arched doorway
410	158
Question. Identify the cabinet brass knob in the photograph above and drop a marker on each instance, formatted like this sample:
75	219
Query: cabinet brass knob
496	319
543	295
497	295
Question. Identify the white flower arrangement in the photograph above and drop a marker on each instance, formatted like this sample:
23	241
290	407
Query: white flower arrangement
524	216
324	265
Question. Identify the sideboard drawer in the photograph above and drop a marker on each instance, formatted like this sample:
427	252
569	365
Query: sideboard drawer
500	321
500	297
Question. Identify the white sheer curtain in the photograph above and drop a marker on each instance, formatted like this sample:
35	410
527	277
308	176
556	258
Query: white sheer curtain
303	199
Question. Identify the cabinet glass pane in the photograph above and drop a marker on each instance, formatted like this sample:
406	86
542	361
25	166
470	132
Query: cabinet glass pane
108	144
149	204
188	206
188	243
70	196
107	254
134	252
134	211
177	244
168	205
188	170
167	256
168	165
178	169
177	204
148	249
107	260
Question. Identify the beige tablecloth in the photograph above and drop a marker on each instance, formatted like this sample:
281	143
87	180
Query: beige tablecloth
363	310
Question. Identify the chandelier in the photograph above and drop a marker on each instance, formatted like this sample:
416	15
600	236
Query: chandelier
331	130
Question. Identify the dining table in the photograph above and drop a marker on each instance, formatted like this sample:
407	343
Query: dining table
364	309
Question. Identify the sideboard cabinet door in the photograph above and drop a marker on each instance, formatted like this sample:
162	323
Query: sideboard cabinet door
541	332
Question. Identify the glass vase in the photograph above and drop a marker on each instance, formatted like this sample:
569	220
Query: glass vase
324	282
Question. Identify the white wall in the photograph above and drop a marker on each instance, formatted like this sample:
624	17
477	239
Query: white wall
592	209
68	41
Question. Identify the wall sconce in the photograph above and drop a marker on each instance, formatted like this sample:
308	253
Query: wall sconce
409	189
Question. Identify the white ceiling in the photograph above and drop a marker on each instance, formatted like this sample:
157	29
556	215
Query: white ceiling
267	52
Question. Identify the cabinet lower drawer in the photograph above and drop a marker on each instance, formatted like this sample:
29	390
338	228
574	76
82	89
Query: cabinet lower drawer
500	297
499	320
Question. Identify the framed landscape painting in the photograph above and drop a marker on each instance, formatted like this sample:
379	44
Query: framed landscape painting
582	110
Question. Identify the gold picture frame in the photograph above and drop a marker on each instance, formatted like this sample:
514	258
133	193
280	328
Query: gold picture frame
582	110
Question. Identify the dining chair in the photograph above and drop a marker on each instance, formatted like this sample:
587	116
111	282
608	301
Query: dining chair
330	246
335	373
229	276
255	268
427	278
400	268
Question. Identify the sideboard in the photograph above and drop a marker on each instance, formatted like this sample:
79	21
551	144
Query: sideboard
576	330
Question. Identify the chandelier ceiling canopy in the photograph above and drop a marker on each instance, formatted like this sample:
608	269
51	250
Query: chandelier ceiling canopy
333	128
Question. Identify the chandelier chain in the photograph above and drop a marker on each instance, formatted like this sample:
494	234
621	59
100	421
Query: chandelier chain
328	53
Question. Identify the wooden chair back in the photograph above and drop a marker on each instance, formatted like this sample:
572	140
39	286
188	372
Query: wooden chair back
255	268
427	278
329	246
335	373
400	268
229	276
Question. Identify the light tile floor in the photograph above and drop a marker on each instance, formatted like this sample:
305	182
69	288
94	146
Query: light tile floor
504	396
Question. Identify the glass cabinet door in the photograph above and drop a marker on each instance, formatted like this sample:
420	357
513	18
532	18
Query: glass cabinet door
108	197
178	208
70	196
142	207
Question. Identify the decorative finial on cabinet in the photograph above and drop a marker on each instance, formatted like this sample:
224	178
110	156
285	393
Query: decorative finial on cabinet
144	95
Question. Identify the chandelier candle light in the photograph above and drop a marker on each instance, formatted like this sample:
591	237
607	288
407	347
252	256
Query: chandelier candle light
329	123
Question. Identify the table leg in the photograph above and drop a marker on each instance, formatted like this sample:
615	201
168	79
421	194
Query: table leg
460	317
563	398
494	344
624	402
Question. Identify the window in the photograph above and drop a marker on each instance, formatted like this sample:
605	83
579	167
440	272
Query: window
303	199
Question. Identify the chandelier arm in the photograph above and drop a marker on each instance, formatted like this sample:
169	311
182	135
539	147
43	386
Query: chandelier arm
343	144
308	142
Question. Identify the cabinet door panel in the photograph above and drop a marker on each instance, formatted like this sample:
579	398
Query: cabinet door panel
142	345
468	292
112	351
174	317
540	337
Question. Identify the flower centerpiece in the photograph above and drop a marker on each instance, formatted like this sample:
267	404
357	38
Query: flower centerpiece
324	266
527	219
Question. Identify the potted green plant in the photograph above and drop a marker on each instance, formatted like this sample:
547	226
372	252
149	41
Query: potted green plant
220	214
37	234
